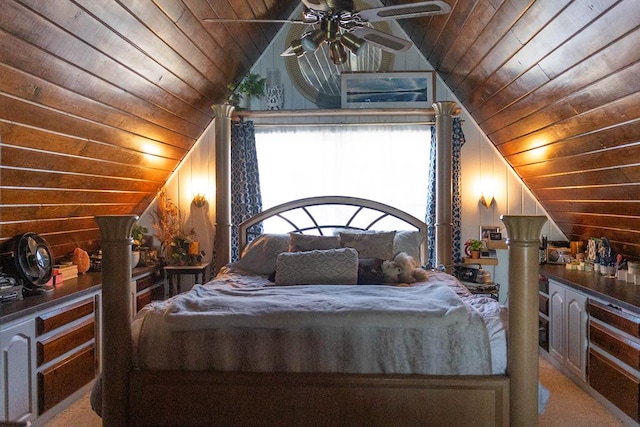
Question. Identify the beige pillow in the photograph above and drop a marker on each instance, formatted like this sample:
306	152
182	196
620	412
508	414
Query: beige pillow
306	242
259	257
370	245
318	267
408	241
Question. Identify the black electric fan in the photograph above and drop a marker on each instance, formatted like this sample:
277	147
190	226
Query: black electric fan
32	263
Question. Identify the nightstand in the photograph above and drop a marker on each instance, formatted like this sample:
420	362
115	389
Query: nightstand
179	270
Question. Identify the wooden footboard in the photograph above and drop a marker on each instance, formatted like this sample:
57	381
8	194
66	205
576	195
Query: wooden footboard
171	398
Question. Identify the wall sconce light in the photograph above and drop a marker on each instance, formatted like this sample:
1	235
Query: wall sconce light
487	200
199	200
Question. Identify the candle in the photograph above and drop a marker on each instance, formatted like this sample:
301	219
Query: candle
194	248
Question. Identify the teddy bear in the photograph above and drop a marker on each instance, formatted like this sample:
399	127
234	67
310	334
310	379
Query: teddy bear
403	269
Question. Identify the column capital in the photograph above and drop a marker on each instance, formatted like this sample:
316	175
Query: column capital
223	110
448	108
524	228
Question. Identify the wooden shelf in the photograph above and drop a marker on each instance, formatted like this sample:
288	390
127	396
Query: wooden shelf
482	261
496	244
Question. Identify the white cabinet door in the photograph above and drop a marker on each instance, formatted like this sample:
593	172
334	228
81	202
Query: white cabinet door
556	321
576	332
568	328
17	344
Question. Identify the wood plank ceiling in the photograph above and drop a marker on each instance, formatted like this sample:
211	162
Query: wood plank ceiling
100	100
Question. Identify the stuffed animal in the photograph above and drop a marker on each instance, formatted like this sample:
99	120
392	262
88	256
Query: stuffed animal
403	269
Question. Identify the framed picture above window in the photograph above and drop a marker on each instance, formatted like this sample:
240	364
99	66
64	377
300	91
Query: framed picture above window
388	90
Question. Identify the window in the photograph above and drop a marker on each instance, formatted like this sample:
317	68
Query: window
388	164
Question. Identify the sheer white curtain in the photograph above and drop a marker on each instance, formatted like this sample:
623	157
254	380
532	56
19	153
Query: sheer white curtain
388	164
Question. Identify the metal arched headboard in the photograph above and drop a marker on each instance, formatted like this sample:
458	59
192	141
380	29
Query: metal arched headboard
382	211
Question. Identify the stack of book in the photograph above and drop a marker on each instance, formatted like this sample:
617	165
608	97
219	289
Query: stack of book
64	272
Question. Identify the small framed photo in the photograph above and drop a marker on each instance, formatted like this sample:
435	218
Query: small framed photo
388	90
490	232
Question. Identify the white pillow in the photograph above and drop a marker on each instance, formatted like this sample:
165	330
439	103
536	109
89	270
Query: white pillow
318	267
259	257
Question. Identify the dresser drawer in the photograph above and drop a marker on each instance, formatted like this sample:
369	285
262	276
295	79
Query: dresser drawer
616	318
614	384
63	316
144	283
62	343
63	379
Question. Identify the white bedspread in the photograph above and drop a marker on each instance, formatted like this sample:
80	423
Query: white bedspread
235	323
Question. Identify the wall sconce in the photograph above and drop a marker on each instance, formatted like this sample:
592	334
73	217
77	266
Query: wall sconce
486	199
199	200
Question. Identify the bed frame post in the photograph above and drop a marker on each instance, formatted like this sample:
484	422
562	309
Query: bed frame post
444	184
222	127
115	241
524	243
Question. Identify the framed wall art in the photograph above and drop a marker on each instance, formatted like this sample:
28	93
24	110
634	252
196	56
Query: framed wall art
490	232
388	90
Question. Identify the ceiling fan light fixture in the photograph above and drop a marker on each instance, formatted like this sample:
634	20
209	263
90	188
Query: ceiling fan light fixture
297	48
332	30
312	40
352	42
337	53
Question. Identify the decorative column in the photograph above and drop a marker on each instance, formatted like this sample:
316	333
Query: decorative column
444	183
522	356
115	241
222	127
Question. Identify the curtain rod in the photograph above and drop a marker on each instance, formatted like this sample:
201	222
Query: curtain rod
337	112
280	124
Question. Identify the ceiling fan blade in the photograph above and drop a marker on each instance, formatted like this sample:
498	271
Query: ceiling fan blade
288	52
259	21
412	10
383	40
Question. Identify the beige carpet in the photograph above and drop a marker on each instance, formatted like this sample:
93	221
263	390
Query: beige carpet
568	406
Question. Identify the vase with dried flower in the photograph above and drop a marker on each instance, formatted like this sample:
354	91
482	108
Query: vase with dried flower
176	246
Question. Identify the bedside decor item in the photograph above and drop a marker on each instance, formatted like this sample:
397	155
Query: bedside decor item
472	248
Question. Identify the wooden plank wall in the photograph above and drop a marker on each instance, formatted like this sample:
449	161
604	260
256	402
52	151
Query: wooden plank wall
554	85
100	101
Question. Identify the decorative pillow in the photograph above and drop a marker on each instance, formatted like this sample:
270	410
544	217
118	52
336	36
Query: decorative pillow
306	242
318	267
408	241
370	245
259	257
370	271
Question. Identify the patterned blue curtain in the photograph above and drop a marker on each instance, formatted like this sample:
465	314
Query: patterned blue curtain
458	142
246	200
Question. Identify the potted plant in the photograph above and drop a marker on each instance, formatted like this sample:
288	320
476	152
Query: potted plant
472	248
137	234
252	85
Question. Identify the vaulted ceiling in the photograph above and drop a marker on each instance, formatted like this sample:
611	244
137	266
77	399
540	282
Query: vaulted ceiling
100	100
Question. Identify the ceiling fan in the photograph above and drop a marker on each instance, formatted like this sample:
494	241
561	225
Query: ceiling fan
337	23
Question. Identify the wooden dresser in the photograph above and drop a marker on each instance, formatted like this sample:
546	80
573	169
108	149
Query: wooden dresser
602	352
50	344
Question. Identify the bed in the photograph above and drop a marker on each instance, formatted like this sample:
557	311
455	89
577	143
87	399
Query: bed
139	389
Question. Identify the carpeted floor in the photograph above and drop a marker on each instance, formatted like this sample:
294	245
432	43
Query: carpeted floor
568	406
